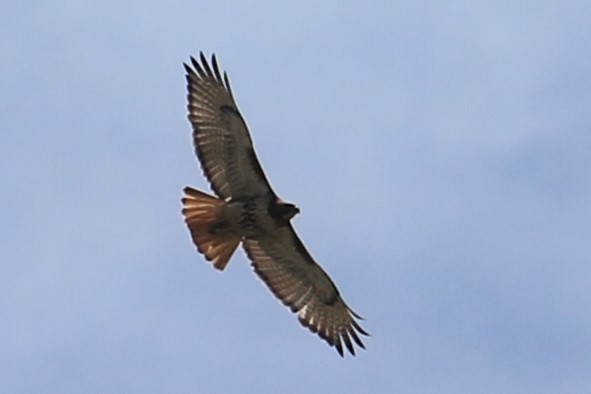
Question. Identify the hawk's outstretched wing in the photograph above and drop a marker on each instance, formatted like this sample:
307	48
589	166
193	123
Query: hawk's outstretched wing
284	264
220	135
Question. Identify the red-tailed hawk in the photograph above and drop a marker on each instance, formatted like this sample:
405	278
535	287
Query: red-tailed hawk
248	211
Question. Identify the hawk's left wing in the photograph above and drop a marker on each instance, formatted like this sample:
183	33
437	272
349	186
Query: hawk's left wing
284	264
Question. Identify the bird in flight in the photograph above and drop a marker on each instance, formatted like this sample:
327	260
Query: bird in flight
246	210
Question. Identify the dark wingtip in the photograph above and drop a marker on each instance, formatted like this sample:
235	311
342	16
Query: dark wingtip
188	70
227	82
348	343
339	348
359	329
216	69
358	316
356	338
205	65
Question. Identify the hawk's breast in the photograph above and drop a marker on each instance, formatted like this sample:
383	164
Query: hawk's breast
250	217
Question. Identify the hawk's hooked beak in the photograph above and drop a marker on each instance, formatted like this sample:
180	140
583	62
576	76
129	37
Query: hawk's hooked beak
291	210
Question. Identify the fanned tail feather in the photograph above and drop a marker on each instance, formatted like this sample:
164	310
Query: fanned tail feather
204	217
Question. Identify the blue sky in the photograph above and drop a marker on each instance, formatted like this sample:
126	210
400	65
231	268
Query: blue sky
439	153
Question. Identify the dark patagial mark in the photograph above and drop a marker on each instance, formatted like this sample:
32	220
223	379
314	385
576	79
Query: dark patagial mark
256	166
334	296
228	109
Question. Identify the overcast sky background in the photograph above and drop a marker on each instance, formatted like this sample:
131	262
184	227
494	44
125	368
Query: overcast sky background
440	153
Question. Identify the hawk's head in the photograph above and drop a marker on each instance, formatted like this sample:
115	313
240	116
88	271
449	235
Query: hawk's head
283	211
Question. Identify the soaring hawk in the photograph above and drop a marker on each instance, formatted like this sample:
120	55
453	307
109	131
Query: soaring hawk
247	210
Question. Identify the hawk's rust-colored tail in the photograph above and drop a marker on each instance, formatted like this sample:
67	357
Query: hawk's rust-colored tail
204	215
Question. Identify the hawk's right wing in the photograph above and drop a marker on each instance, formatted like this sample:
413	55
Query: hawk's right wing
220	135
